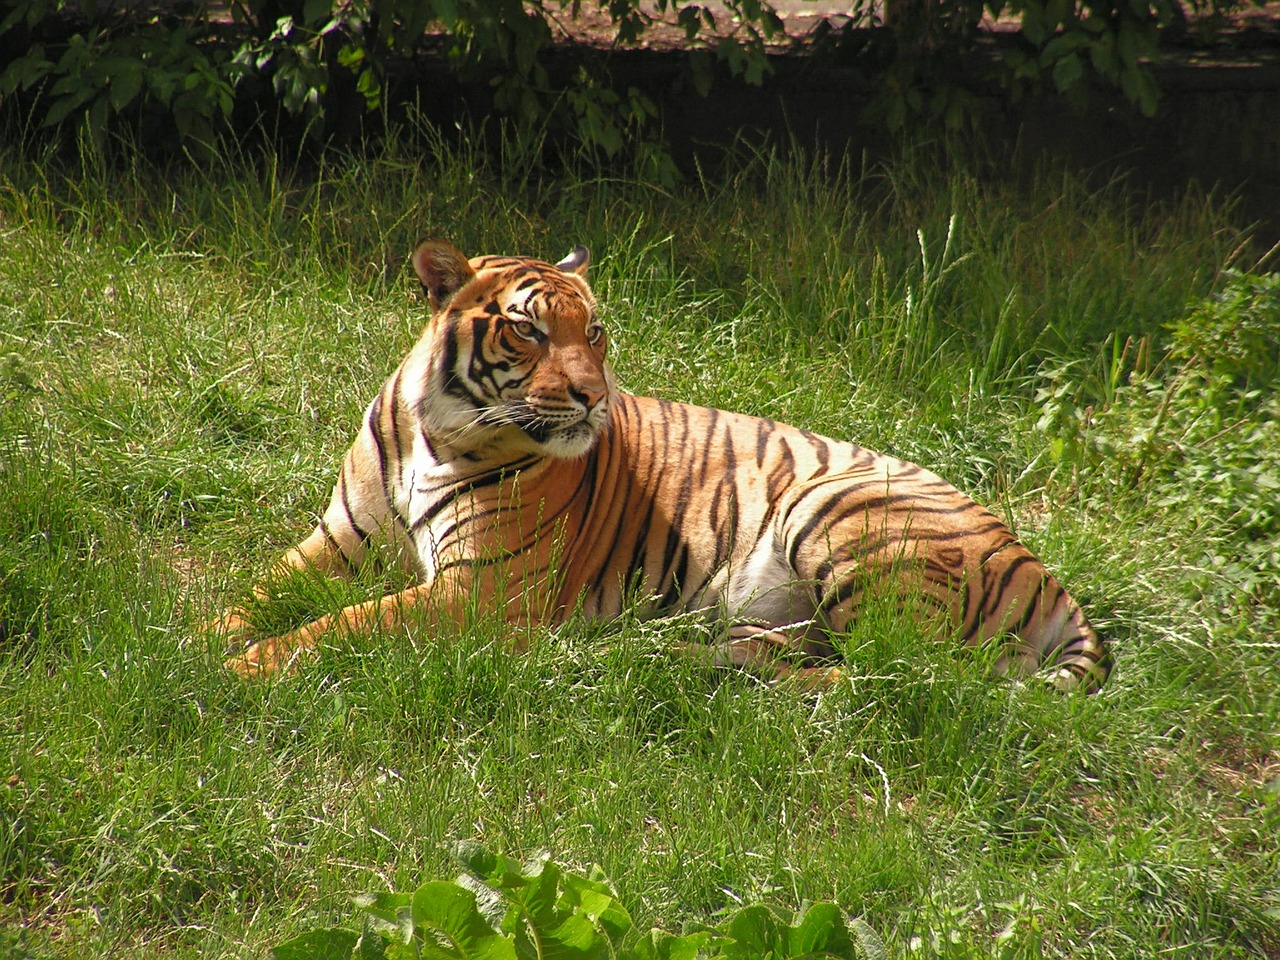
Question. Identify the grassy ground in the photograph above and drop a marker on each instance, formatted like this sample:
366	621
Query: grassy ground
183	358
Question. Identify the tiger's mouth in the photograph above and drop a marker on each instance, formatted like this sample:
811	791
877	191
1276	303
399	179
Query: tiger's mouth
558	433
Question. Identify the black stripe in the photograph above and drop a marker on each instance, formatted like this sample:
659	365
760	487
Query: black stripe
337	547
471	484
640	550
449	363
997	592
1030	611
374	423
625	498
346	503
454	385
821	447
731	481
939	574
818	519
588	486
393	417
675	541
781	478
674	592
704	461
843	592
549	520
991	527
996	549
426	442
462	562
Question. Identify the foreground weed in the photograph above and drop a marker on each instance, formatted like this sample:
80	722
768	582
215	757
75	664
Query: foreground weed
501	908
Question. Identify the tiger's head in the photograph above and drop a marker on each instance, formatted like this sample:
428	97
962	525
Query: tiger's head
517	353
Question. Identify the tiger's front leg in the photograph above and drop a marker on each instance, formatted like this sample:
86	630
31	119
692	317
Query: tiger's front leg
281	653
319	553
445	599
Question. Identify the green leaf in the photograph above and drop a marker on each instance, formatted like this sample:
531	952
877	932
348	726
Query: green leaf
1067	73
391	914
335	944
1148	93
17	13
534	888
690	20
447	12
701	66
598	901
497	869
757	65
1140	87
820	929
125	85
551	913
872	947
96	118
1062	45
26	71
63	108
660	945
754	934
1058	11
315	12
1103	55
1034	27
479	861
445	917
1127	43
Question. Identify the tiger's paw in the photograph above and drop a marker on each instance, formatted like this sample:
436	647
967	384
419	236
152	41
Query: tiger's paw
261	660
232	628
815	679
273	654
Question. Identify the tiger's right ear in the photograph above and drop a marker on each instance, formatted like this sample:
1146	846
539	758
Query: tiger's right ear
576	261
443	270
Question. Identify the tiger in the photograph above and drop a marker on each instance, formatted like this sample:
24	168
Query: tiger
502	457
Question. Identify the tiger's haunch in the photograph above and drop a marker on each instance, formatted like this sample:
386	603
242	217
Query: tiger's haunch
502	458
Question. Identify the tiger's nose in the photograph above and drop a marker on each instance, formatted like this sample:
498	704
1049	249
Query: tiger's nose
588	396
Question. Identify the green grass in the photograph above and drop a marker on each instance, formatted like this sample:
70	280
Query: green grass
184	356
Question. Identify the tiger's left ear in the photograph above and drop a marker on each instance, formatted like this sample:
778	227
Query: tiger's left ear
575	262
443	270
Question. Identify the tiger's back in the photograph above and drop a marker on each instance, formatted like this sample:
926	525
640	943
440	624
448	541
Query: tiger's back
502	451
773	526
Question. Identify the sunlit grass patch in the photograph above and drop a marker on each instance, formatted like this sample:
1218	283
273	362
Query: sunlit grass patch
184	358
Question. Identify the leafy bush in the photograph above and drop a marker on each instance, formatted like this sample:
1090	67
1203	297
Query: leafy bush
328	62
90	65
932	61
500	908
1199	428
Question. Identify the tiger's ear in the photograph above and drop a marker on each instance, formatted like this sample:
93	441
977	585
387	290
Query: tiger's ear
576	261
443	270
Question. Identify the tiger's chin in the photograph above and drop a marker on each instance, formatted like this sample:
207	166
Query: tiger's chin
569	443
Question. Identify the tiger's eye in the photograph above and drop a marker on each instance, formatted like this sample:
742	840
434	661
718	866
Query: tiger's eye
527	330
